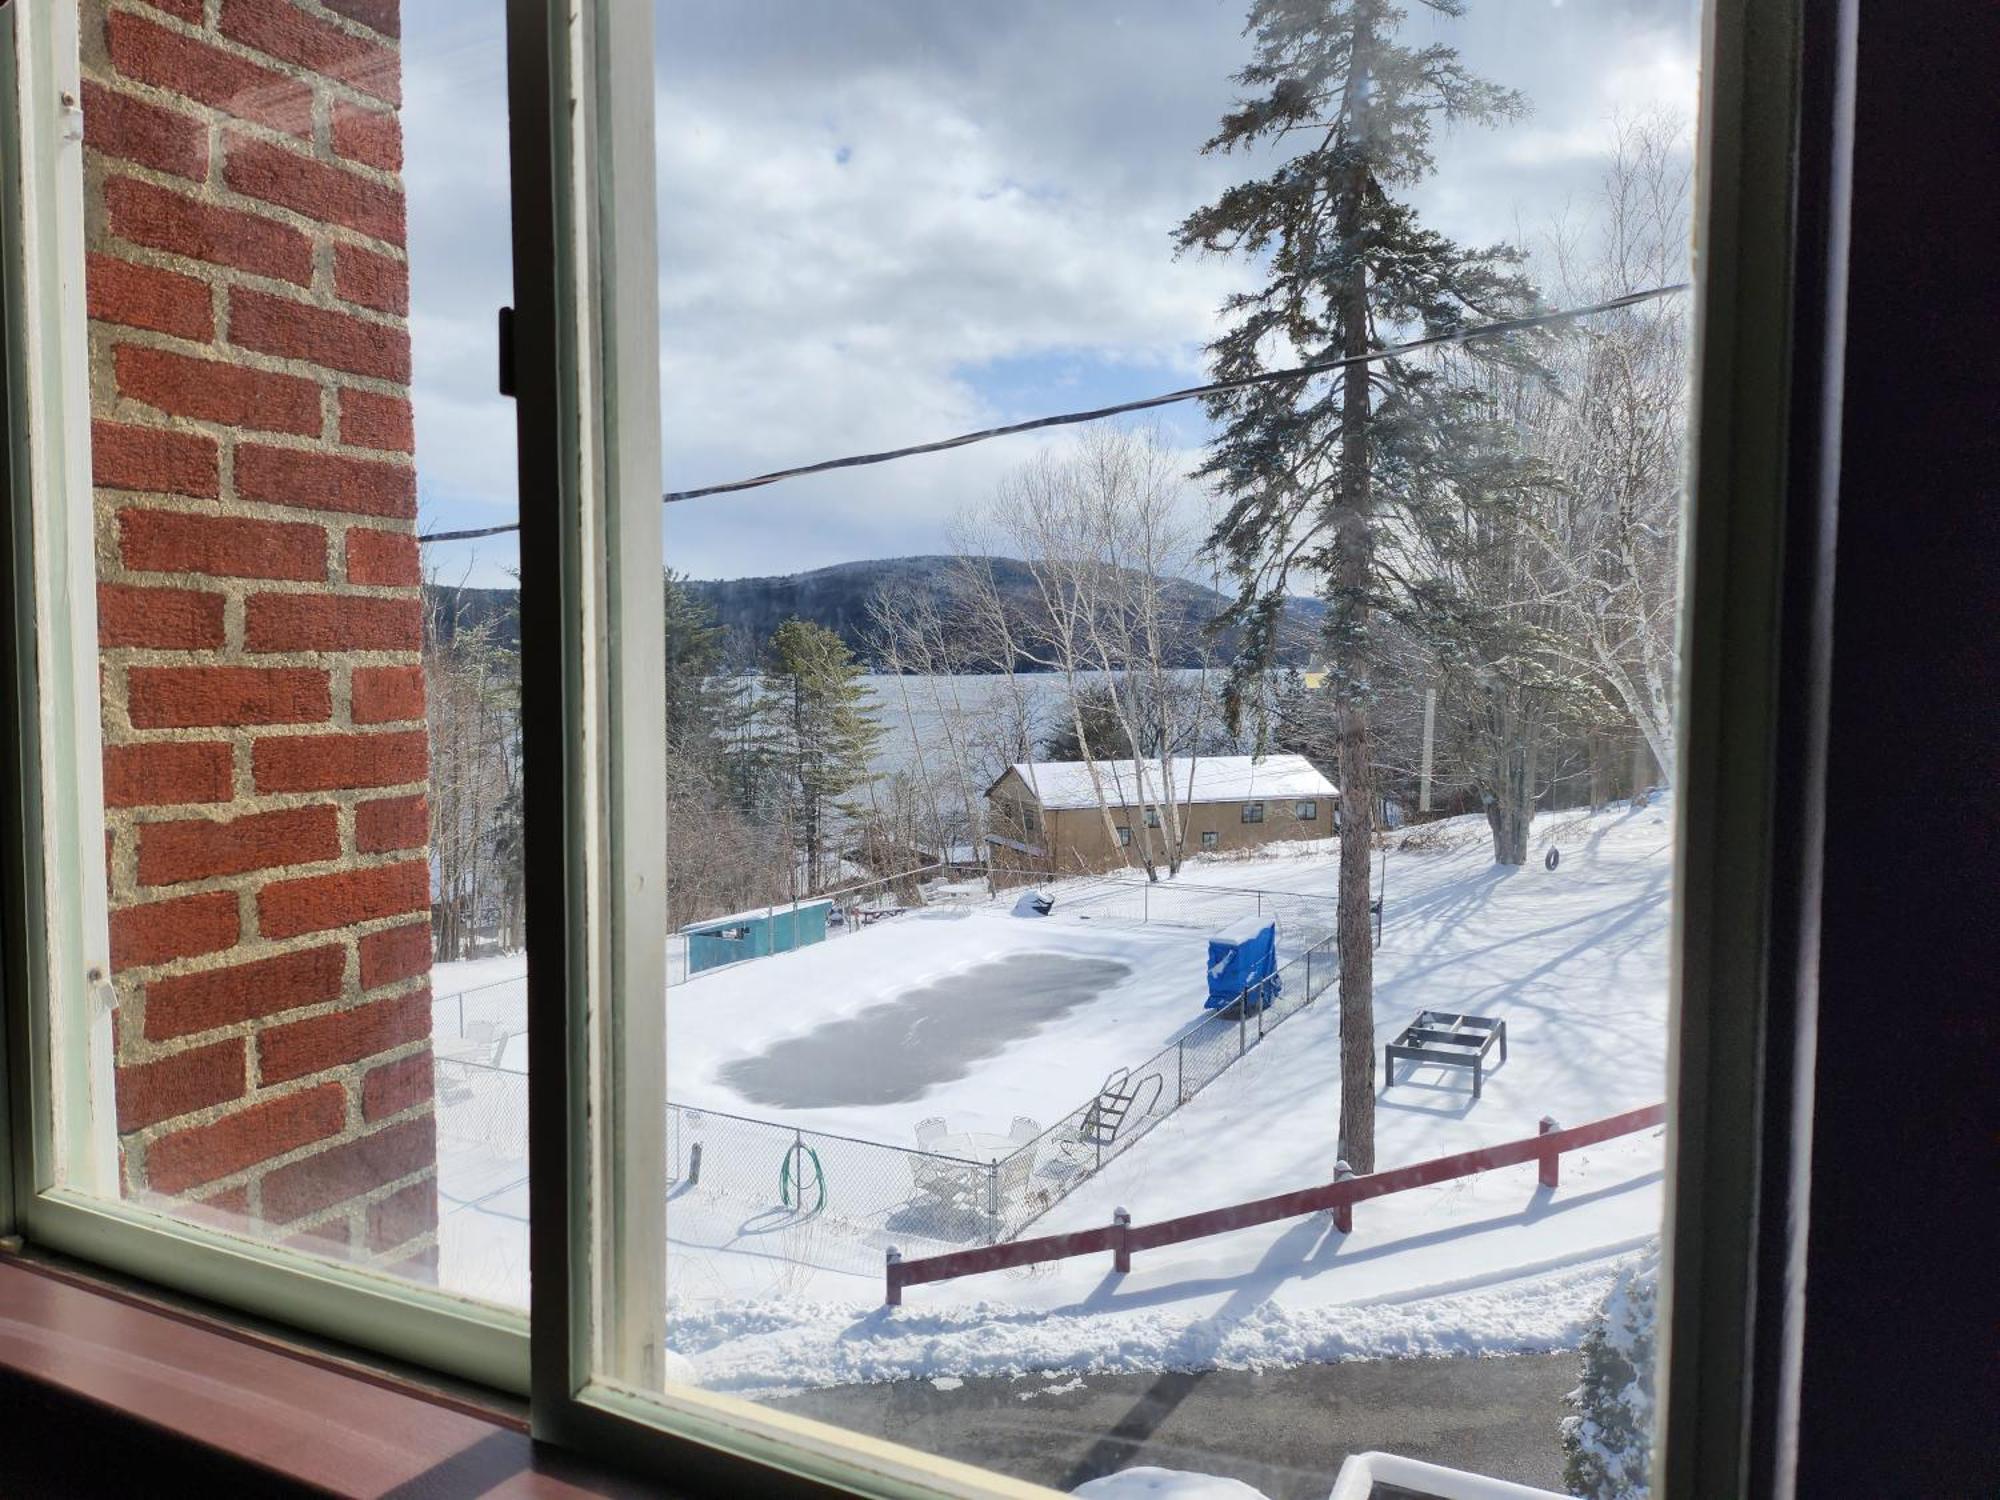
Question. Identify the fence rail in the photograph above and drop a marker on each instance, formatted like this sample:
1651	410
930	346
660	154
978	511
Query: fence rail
1121	1237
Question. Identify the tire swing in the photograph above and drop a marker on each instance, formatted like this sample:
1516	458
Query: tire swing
1552	858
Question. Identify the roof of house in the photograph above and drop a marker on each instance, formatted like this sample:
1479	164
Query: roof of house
1062	784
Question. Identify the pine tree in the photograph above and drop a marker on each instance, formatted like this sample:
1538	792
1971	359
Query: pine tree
814	728
695	705
1608	1444
1308	465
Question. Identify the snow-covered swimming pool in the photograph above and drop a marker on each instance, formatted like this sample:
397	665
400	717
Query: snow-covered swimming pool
892	1053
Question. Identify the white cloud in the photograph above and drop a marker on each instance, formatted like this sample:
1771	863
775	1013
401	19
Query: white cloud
886	221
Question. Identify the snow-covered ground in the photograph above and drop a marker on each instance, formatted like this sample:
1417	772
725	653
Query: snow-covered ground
1573	959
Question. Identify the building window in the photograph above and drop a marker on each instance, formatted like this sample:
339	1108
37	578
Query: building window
1253	812
1124	837
1210	838
1306	812
1152	817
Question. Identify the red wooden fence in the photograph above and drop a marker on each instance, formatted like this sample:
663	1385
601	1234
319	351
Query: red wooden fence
1121	1237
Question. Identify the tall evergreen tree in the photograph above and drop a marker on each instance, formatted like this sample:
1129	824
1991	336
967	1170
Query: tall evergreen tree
696	705
815	727
1310	465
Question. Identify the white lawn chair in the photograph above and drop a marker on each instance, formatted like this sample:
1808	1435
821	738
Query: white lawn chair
1024	1131
930	1132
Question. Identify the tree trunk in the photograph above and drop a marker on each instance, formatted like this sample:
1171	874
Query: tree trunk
1355	569
1510	805
1356	943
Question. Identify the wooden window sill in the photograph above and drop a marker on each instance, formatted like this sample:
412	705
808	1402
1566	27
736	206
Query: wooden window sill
108	1395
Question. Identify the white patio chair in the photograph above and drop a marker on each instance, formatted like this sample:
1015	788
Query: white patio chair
930	1132
1025	1130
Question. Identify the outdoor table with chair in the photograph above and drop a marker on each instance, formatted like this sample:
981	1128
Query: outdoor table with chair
954	1167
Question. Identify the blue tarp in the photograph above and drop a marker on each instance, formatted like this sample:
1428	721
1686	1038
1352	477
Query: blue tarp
1243	957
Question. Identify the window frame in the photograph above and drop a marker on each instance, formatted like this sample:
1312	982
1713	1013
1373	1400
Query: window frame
1253	812
1306	810
1210	838
1744	896
54	806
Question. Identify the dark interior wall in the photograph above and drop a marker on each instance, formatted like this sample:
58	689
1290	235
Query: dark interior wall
1900	1350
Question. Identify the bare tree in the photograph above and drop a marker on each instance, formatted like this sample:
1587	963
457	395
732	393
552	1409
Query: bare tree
1103	532
1613	429
472	687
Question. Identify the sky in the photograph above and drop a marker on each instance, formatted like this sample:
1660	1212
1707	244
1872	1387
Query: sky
887	221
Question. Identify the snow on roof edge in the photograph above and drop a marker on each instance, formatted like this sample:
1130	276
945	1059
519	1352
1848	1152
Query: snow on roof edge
1063	785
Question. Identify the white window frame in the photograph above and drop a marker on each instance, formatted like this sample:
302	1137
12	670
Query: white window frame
60	1197
580	93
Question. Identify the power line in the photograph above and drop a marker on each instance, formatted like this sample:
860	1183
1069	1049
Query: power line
1096	414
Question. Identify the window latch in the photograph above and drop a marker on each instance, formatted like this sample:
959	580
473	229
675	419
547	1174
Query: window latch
506	351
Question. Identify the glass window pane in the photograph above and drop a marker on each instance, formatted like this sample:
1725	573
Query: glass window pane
295	228
1078	830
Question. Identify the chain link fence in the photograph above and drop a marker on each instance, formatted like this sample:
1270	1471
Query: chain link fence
889	1194
1303	920
479	1104
1135	1099
895	1190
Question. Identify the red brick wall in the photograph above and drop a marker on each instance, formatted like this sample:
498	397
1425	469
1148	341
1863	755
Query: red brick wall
260	623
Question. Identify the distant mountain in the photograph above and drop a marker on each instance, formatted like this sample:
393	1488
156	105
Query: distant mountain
837	597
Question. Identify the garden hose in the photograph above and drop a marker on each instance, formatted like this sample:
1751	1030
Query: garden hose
786	1180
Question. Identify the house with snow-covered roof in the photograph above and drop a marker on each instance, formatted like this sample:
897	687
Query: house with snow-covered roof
1050	818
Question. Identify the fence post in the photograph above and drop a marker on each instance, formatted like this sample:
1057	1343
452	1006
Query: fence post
1146	904
1242	1019
694	1165
1551	1160
1121	1253
1343	1213
894	1269
993	1188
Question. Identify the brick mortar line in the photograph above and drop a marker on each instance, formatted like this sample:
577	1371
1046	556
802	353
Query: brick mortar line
211	35
139	1143
347	24
144	1049
253	947
353	1209
219	350
216	192
213	119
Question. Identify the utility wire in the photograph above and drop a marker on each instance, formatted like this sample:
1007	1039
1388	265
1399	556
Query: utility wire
1474	334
